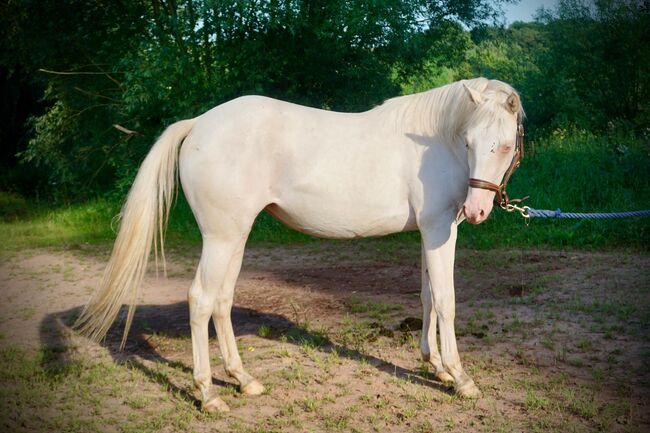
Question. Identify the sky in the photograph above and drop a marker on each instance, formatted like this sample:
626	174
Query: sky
525	9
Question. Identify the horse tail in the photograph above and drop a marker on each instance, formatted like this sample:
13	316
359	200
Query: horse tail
144	217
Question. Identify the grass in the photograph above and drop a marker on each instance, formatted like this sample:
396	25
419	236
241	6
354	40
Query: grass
44	393
535	402
574	172
374	310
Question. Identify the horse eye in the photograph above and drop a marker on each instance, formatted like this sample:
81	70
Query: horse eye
505	148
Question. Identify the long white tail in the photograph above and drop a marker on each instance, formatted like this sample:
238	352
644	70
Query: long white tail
143	220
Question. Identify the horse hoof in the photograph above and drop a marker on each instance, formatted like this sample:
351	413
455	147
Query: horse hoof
215	404
468	390
252	388
444	377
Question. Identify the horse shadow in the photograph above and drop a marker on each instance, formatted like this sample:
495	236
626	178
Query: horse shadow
172	320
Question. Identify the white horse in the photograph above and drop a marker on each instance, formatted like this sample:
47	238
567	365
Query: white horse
403	165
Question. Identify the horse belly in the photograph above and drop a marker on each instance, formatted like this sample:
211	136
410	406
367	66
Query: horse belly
337	220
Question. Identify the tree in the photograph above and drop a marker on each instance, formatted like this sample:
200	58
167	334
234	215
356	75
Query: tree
142	64
597	63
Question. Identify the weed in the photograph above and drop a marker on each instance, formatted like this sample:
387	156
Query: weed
294	374
26	313
137	401
381	403
264	331
585	344
356	334
450	423
576	362
548	343
375	310
335	421
309	405
535	402
580	401
284	353
424	427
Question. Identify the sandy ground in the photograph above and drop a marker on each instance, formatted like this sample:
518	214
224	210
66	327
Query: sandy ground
579	320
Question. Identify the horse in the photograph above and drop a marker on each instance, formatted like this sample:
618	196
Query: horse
403	165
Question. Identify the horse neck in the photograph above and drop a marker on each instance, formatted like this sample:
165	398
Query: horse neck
424	114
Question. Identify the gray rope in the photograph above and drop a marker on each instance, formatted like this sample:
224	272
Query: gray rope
544	213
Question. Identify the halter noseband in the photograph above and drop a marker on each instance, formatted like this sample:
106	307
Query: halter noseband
501	197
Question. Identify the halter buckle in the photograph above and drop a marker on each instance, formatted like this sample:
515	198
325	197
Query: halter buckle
523	210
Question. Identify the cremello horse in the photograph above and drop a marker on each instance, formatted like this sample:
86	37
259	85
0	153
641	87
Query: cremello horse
403	165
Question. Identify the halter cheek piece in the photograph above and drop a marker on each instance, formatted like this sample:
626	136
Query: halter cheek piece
501	197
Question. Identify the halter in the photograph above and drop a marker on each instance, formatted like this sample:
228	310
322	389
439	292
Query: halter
501	197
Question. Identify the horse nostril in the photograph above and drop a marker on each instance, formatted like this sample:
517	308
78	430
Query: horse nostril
482	213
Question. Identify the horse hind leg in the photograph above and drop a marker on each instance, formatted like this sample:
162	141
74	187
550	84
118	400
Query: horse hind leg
221	317
205	293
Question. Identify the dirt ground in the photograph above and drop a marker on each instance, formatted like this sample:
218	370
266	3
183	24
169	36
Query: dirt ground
556	341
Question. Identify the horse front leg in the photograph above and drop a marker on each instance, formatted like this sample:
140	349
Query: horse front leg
439	249
428	342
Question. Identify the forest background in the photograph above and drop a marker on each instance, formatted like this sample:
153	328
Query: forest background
87	87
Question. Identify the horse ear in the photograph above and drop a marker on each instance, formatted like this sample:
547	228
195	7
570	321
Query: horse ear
513	103
474	95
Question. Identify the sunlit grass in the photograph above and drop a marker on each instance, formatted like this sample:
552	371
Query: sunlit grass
41	226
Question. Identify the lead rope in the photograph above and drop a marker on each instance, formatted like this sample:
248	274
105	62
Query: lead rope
529	212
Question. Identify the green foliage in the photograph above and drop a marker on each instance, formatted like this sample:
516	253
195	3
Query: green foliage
72	49
144	64
600	61
579	65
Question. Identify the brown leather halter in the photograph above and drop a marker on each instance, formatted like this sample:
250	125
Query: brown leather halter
501	197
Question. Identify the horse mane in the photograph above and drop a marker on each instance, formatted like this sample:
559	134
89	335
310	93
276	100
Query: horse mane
446	111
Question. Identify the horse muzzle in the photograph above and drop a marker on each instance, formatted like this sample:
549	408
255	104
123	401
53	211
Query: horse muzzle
477	205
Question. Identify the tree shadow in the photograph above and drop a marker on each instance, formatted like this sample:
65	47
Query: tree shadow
173	321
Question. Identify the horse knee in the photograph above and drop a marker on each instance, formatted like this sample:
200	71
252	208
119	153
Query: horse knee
200	311
446	311
222	307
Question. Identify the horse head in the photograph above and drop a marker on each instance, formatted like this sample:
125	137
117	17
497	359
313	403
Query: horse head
493	138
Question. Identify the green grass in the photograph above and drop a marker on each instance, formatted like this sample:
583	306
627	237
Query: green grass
374	310
578	172
43	392
38	225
